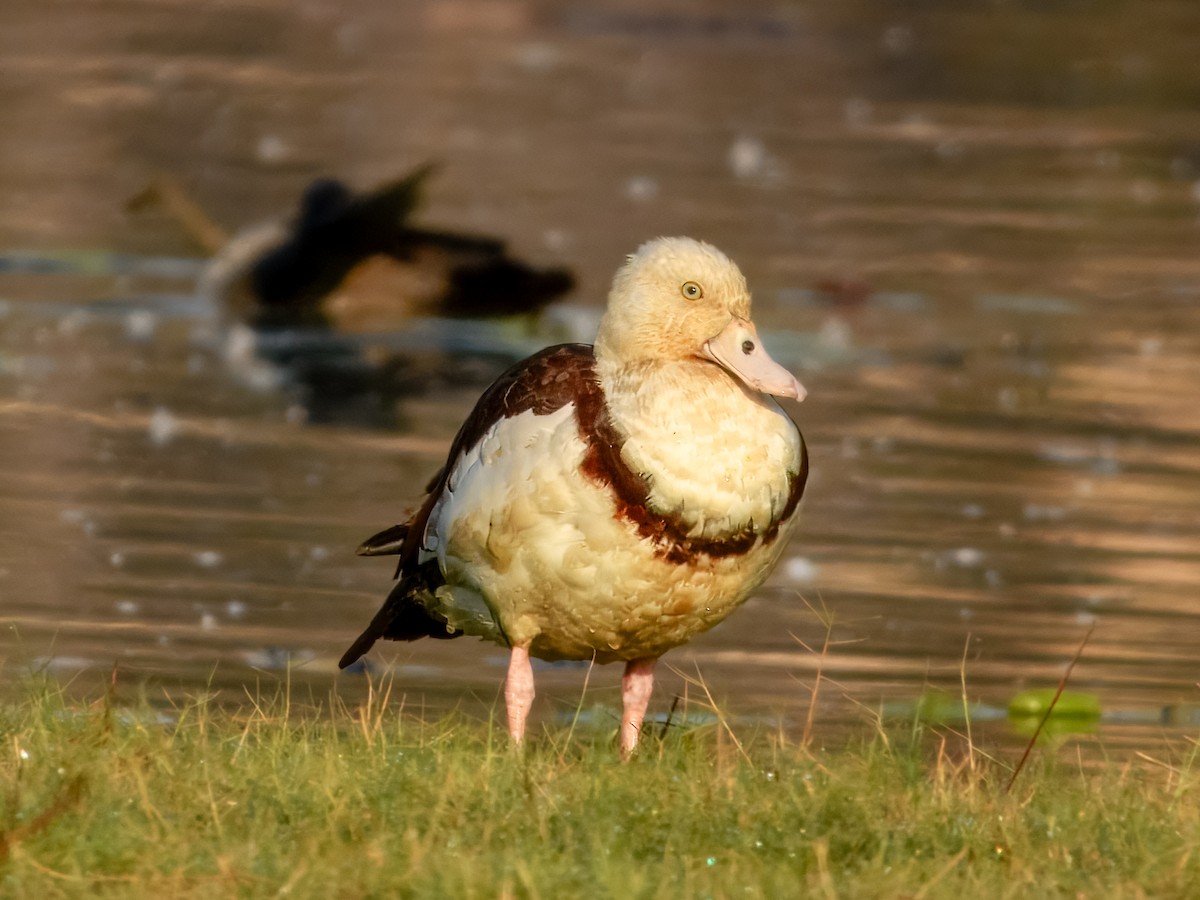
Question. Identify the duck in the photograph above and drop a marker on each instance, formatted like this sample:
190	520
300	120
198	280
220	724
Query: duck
325	303
608	502
357	263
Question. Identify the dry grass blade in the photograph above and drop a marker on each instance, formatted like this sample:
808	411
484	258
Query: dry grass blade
824	617
962	676
587	679
67	798
941	873
1062	684
669	719
712	704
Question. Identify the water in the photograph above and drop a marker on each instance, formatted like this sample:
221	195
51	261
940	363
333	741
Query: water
974	239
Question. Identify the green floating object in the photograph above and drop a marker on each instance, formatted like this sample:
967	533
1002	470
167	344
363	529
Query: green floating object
1071	704
939	708
1074	713
936	707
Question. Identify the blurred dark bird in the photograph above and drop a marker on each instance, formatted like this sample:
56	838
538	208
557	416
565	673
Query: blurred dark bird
314	275
355	263
317	303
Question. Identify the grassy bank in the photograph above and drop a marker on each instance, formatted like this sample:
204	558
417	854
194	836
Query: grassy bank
371	802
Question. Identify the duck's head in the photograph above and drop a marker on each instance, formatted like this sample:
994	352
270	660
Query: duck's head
681	299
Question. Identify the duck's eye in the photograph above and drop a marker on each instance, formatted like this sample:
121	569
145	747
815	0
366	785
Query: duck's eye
691	290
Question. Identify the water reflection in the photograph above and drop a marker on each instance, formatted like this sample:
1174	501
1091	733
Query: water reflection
985	271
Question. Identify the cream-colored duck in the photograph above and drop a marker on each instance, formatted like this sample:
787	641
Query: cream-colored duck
609	502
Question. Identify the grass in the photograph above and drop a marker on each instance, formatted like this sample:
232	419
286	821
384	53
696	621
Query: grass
274	800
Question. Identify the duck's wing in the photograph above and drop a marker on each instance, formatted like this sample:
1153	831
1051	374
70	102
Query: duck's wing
503	286
378	217
543	383
334	231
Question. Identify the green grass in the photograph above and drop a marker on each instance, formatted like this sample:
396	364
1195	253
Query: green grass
372	802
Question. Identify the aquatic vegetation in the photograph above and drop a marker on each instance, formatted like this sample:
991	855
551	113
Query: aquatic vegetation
373	801
1071	712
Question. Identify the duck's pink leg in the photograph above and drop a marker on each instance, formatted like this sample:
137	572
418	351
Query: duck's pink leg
518	692
636	686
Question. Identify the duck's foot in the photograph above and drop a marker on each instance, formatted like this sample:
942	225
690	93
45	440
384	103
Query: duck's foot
636	686
518	692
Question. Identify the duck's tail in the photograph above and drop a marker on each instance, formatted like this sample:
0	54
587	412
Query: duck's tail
405	615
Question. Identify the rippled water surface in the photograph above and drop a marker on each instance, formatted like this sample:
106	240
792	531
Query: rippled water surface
972	229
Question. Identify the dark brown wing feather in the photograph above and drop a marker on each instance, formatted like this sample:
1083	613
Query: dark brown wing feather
387	543
543	383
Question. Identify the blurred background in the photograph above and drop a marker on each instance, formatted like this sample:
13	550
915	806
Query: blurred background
971	227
